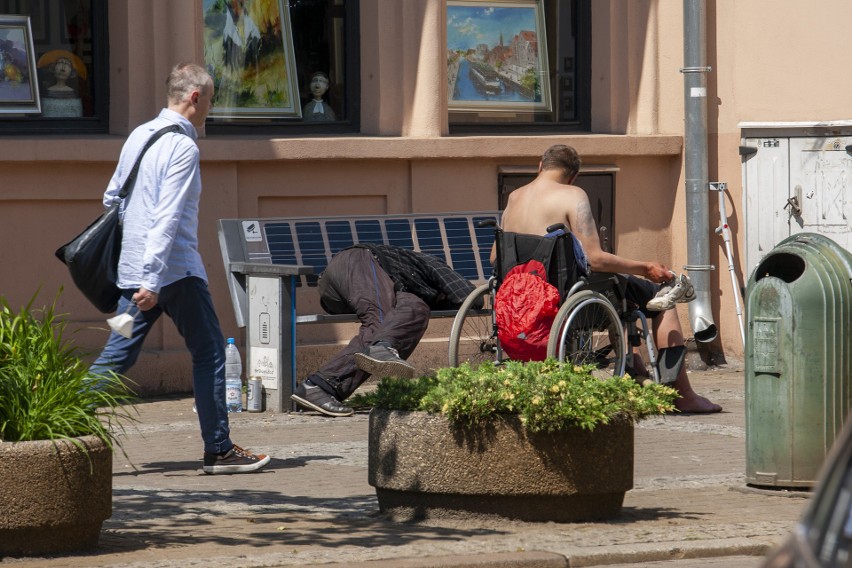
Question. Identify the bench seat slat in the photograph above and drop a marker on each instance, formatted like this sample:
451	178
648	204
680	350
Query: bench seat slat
346	318
279	269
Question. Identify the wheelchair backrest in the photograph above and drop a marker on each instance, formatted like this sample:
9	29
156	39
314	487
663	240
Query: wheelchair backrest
556	253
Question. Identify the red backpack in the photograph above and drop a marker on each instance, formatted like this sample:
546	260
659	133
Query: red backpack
525	306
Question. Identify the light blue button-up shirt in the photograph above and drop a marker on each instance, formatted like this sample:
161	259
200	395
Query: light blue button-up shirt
160	219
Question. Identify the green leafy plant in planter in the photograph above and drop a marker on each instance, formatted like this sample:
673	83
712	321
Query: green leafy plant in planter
547	396
58	428
533	441
46	390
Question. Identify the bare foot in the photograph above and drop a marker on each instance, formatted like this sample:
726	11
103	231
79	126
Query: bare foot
692	403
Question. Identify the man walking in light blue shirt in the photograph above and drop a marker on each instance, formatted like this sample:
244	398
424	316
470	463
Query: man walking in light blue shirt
160	269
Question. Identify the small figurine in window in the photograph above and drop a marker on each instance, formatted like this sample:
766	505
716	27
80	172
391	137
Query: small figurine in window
61	99
318	110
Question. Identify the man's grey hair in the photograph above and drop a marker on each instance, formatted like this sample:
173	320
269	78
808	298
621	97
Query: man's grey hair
185	78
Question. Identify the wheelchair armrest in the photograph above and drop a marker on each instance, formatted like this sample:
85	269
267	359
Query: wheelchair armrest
613	286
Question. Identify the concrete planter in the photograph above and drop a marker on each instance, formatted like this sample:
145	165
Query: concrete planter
422	467
55	496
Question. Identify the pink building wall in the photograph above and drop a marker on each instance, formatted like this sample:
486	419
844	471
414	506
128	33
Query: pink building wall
404	160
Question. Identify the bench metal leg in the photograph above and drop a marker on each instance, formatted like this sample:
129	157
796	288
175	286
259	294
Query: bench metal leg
271	337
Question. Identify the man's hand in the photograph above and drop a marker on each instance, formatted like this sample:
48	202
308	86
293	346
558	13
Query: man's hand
659	273
145	299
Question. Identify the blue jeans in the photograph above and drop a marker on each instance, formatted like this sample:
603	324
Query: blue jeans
188	303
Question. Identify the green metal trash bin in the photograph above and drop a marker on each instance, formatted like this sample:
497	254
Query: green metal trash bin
798	359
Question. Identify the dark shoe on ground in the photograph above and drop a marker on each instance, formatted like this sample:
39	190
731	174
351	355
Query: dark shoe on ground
383	361
313	397
678	290
235	460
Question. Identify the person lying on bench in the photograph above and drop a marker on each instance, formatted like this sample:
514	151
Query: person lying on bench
392	290
550	199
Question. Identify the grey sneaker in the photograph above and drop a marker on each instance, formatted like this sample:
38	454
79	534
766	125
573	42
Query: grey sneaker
678	290
689	295
384	361
313	397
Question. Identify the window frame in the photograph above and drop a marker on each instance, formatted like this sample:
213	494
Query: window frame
97	124
581	22
295	126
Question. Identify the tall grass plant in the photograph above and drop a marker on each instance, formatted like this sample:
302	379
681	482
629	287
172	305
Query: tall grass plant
46	390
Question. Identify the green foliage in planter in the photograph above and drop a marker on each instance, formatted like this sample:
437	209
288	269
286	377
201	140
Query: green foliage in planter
46	391
547	396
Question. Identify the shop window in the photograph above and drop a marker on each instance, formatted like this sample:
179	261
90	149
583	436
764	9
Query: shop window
285	65
61	68
518	64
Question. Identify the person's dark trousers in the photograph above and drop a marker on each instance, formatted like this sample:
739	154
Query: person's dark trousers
354	282
188	303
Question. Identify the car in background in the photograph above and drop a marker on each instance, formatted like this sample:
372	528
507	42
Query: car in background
823	536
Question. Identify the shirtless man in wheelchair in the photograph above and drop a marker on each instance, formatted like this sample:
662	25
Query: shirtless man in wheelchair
550	199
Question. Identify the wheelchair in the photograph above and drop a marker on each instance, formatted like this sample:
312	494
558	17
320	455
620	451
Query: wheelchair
594	325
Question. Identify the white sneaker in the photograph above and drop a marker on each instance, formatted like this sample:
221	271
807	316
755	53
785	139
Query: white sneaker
677	291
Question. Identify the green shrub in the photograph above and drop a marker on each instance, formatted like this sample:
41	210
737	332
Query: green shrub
547	396
46	391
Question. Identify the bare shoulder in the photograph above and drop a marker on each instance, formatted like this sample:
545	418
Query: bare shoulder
572	191
563	197
532	208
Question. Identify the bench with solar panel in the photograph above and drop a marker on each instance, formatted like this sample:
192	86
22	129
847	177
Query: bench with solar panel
268	260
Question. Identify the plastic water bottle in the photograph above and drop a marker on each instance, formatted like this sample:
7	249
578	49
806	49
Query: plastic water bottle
233	377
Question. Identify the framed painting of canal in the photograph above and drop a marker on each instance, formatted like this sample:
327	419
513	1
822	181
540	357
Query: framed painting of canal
497	56
248	49
18	77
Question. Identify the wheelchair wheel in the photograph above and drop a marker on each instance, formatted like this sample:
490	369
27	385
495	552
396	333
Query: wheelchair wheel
588	330
473	337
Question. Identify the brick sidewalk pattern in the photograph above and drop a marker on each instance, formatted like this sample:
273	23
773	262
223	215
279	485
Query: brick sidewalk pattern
312	505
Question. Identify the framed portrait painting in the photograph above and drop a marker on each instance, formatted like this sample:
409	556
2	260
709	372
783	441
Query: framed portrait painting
19	84
248	50
497	56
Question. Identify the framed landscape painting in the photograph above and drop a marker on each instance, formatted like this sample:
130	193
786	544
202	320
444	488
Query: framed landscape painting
497	56
19	82
248	50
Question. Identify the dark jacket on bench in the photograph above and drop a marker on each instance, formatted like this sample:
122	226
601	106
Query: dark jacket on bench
423	275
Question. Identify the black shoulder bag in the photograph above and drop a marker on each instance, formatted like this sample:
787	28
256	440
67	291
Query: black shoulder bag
92	256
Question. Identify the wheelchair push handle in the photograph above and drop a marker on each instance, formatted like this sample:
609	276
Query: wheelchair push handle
556	230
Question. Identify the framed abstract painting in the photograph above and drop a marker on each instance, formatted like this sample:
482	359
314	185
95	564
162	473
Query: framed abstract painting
18	78
248	50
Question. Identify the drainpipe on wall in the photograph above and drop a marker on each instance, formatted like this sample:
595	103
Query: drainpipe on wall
695	167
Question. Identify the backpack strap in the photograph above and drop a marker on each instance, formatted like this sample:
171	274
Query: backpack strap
127	186
557	253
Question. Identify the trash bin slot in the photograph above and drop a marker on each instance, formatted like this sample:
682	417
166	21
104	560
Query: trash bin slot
788	267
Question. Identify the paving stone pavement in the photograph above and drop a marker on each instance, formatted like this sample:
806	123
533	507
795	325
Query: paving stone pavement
312	505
